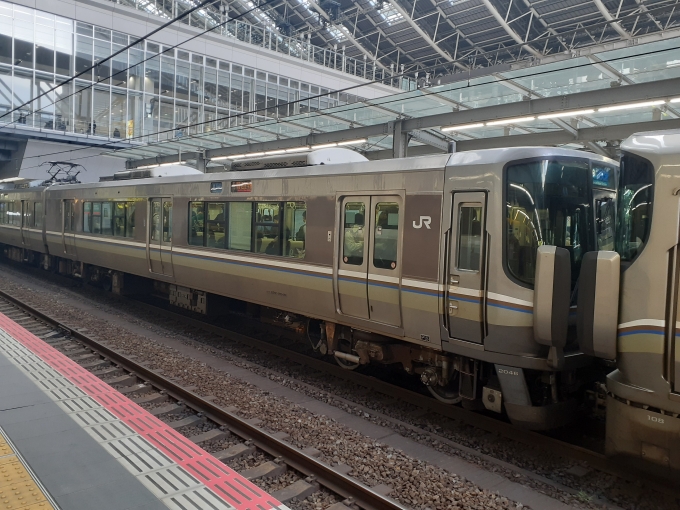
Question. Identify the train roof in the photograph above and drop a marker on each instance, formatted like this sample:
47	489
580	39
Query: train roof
653	142
410	164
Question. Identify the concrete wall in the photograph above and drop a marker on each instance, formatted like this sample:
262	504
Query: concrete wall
38	152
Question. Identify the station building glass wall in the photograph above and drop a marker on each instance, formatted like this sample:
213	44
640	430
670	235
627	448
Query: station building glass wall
159	98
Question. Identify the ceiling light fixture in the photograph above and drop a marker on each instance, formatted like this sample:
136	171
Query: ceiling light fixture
630	106
463	127
353	142
324	146
675	100
277	151
298	149
516	120
574	113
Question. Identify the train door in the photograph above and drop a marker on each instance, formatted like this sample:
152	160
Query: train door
25	223
353	260
69	228
369	270
160	236
465	304
384	266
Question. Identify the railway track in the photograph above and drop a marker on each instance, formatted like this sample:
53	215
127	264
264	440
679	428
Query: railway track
594	459
206	422
546	443
494	426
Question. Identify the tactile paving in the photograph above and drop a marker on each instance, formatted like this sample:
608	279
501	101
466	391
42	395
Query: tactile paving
177	471
18	488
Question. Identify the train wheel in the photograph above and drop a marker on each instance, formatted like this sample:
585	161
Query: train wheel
345	345
448	394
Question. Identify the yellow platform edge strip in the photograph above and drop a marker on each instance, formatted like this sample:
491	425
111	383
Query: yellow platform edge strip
20	489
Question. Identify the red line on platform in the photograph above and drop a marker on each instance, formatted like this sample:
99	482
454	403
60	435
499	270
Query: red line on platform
224	481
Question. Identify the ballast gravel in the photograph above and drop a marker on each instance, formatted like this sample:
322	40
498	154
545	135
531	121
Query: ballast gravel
414	483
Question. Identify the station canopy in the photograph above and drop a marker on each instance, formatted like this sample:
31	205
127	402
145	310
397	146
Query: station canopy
635	84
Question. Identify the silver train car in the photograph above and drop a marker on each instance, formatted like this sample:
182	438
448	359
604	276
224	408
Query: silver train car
426	262
642	334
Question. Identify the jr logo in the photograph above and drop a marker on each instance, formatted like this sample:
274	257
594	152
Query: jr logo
424	220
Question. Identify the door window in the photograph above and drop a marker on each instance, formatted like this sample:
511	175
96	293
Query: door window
469	237
167	221
37	215
87	217
156	220
68	216
386	235
353	245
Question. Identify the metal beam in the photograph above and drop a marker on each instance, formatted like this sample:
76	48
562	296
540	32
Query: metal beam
508	29
577	101
420	31
585	136
607	15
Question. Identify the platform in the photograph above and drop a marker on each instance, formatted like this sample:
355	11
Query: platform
69	441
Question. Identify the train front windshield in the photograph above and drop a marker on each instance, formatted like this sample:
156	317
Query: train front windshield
634	205
548	202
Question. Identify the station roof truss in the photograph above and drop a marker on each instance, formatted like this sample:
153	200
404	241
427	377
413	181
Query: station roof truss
583	102
447	36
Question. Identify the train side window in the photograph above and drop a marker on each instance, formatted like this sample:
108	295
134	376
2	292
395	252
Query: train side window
3	212
119	219
196	223
130	219
268	228
87	217
386	238
353	244
240	226
295	229
96	217
469	237
215	225
16	213
107	218
37	215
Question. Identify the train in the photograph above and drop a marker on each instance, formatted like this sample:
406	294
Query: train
464	269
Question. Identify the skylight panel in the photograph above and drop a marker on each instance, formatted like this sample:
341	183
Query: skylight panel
390	13
339	33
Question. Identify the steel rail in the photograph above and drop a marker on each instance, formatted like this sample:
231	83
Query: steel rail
530	438
325	475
